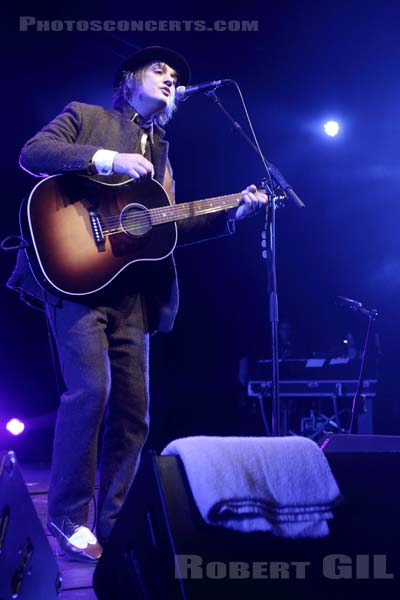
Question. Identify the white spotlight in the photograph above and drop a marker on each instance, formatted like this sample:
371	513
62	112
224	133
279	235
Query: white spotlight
331	128
15	426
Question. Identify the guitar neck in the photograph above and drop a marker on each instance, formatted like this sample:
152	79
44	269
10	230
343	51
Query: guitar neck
178	212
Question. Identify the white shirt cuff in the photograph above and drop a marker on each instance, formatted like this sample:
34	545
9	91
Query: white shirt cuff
103	161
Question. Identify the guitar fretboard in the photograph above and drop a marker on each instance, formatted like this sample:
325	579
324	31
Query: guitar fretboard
178	212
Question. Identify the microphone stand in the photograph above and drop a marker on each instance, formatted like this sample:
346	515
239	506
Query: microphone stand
270	255
271	184
372	315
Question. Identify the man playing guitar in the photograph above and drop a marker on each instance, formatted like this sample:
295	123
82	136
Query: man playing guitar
102	229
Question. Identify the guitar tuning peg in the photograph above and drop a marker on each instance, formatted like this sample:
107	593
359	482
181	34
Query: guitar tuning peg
264	254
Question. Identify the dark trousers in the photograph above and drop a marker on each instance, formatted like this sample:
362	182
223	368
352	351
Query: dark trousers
103	353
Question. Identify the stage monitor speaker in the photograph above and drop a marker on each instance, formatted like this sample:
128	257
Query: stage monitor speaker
366	468
161	549
28	569
359	444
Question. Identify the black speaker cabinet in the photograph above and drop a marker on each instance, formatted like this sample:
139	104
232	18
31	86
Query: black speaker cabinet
161	549
367	469
28	569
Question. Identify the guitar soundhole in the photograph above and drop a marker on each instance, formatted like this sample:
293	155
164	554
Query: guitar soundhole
135	220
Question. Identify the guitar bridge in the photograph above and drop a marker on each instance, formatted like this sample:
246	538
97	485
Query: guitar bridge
97	229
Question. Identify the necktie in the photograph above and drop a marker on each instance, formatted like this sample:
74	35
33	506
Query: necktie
145	142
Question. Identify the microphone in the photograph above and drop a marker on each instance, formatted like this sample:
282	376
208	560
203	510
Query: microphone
352	304
183	93
355	306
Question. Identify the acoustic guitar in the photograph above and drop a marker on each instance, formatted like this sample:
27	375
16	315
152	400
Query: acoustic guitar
82	233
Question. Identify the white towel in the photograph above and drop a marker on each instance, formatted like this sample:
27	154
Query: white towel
279	484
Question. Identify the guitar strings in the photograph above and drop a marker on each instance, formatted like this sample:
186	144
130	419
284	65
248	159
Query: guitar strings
143	220
159	213
189	205
159	217
178	211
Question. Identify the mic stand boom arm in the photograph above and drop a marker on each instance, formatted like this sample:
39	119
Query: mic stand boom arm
276	175
272	183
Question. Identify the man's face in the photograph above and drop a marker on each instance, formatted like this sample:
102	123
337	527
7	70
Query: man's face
158	85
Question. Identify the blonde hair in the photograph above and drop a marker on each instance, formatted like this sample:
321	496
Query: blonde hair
130	83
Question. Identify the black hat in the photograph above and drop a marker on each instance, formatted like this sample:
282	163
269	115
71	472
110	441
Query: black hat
152	54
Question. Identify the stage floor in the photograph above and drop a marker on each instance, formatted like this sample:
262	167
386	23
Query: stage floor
76	577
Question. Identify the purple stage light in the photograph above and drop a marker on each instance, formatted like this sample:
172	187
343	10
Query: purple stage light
15	426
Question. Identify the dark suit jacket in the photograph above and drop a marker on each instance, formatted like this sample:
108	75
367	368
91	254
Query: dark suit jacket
66	145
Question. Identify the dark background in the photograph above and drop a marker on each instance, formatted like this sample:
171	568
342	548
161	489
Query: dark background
308	62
